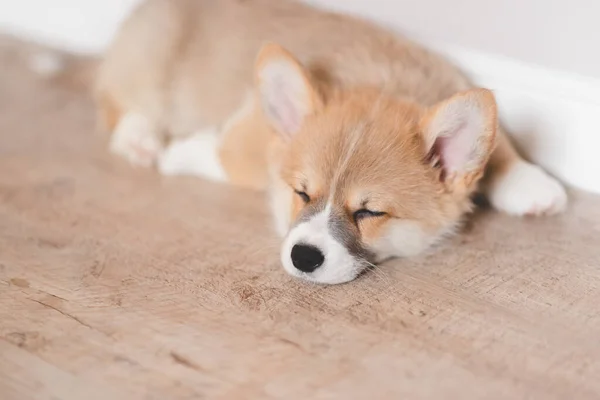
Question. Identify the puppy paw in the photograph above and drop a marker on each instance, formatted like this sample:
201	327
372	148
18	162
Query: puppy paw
527	190
135	141
196	155
175	159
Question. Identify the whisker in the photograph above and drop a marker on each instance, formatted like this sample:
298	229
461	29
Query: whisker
380	273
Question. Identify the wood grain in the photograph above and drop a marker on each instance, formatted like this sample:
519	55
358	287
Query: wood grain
117	283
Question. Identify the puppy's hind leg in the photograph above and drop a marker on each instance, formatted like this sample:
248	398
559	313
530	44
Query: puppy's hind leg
136	139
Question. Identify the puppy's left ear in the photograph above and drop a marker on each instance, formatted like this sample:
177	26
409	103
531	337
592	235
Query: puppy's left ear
286	91
460	134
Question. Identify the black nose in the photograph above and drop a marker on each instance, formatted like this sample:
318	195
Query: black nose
307	258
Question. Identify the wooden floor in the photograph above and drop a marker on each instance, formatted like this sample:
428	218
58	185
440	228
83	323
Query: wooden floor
119	284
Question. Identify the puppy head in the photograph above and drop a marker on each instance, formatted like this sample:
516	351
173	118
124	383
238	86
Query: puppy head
358	177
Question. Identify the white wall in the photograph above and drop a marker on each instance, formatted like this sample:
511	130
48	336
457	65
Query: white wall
76	25
541	58
560	34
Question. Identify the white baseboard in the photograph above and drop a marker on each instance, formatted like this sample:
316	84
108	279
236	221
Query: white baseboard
552	115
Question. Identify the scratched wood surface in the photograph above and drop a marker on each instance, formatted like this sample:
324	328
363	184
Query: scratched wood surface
119	284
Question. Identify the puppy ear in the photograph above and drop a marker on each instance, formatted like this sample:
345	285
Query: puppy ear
286	92
460	135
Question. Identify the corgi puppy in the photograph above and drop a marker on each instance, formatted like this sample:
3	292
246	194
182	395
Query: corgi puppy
369	146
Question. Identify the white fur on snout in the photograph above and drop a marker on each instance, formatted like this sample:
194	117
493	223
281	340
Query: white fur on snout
339	266
407	239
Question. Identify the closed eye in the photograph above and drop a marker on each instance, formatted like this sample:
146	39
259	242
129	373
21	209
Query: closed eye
364	213
303	195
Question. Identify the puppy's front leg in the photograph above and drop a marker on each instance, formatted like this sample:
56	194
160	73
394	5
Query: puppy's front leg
196	155
517	187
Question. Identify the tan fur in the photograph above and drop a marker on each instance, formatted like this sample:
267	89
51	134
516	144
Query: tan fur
320	162
369	101
187	64
243	152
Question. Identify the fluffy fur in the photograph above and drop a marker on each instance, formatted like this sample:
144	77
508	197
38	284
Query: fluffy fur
369	145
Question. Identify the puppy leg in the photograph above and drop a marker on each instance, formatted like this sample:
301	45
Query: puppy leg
136	139
516	187
196	155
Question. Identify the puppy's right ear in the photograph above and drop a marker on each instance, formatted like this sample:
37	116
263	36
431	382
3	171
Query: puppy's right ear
285	90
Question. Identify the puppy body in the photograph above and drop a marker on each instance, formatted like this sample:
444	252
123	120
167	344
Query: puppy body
370	146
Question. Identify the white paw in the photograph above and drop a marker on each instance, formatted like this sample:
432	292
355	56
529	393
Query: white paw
136	141
197	155
527	190
176	159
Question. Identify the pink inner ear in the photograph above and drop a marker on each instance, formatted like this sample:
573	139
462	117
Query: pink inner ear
457	147
284	96
281	110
